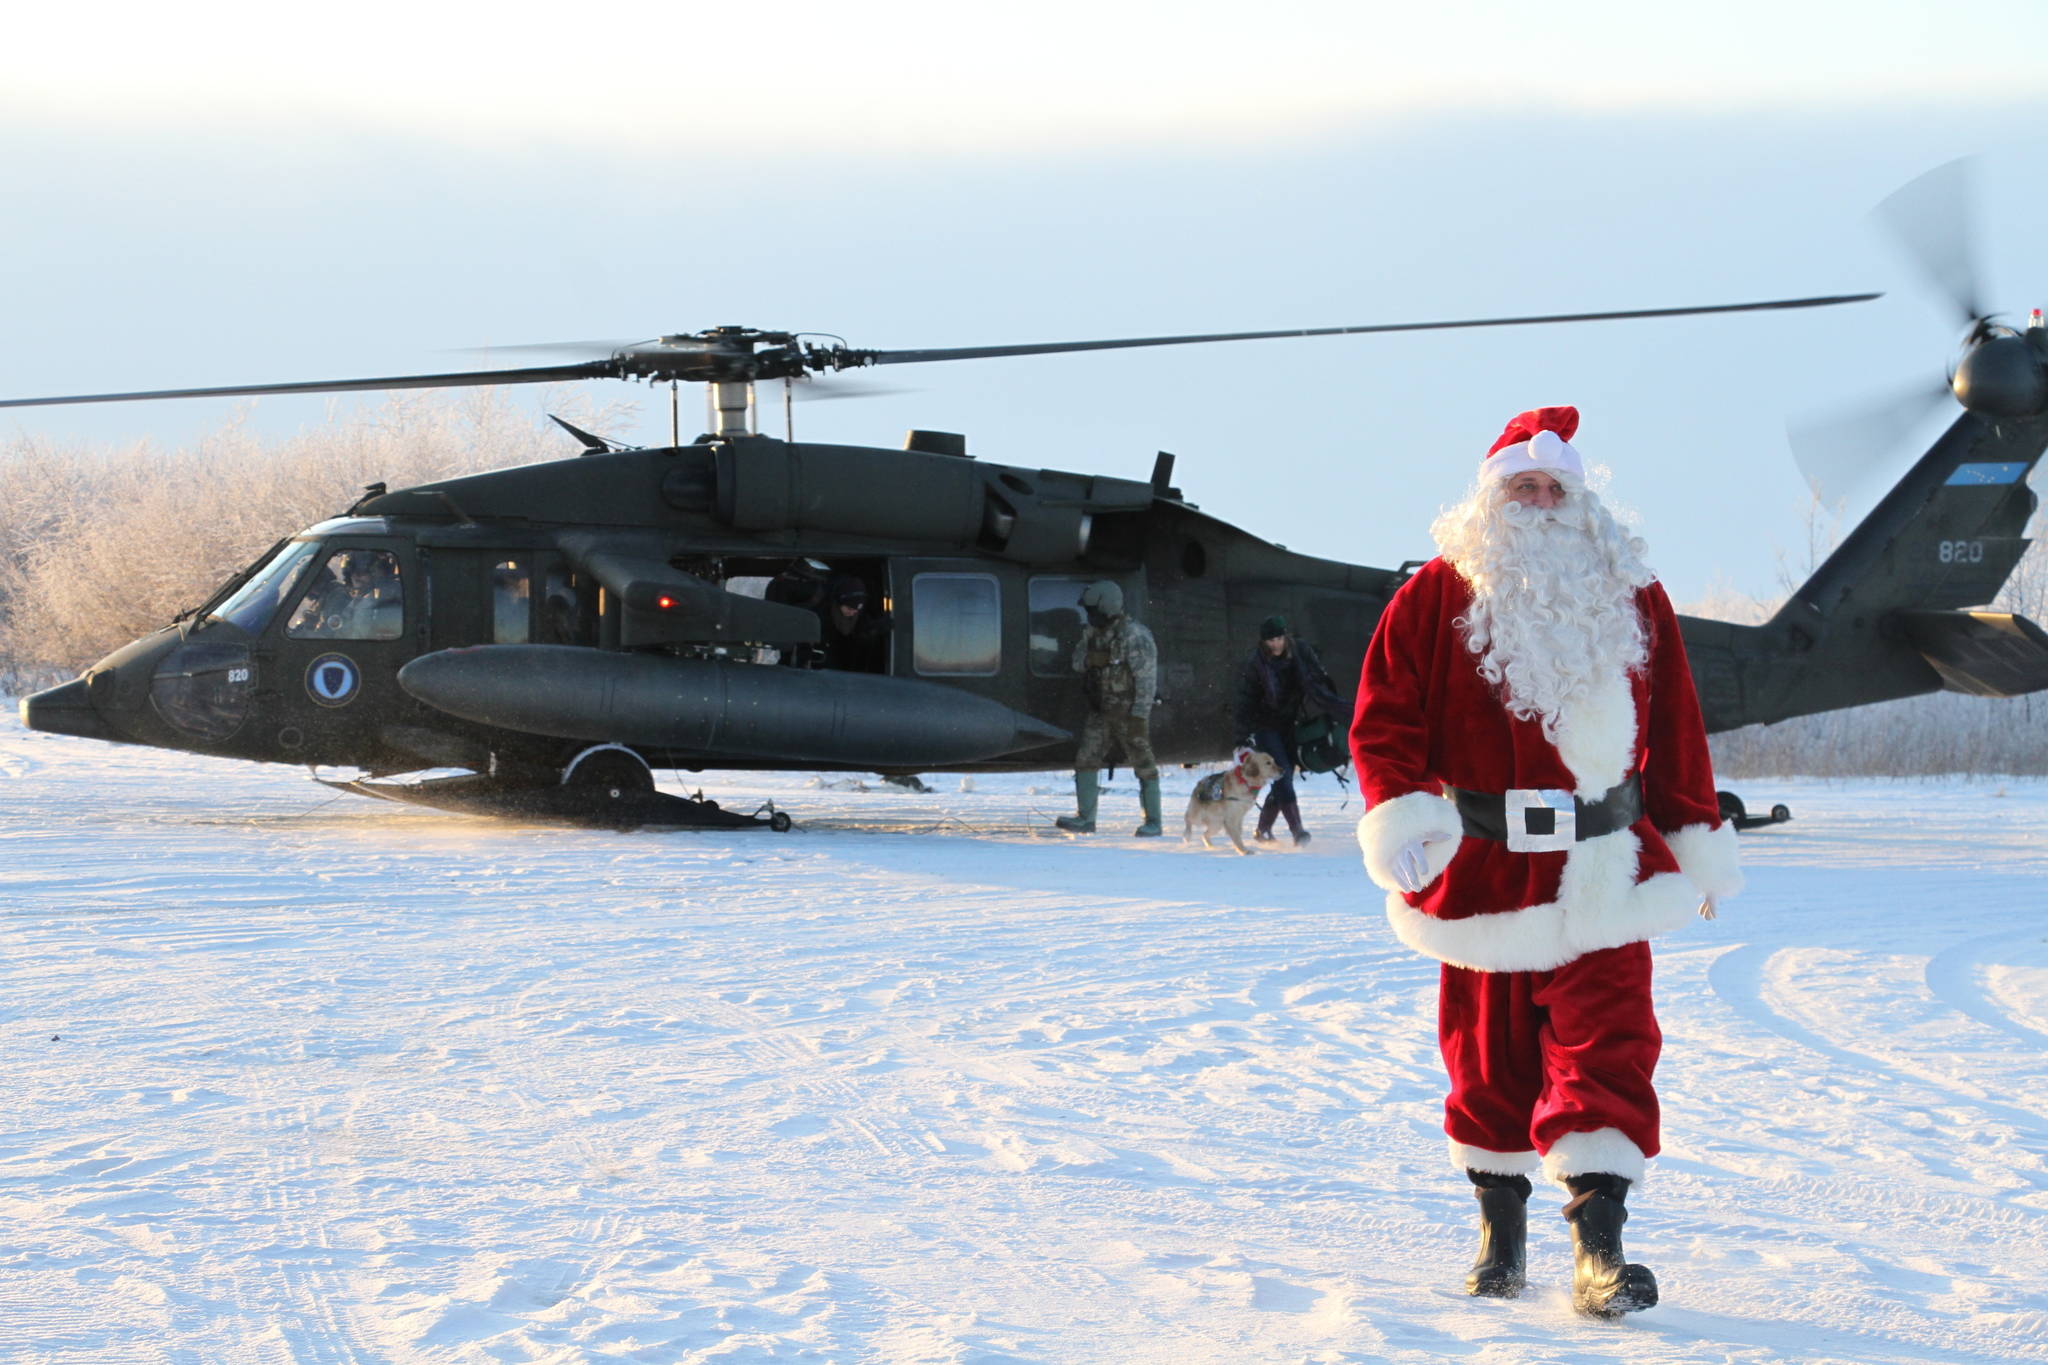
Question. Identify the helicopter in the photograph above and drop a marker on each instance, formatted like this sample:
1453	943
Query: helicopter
557	632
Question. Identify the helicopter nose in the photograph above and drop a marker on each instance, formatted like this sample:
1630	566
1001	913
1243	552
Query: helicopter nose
66	710
114	700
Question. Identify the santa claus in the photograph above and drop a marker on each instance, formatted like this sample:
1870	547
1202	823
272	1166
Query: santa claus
1541	805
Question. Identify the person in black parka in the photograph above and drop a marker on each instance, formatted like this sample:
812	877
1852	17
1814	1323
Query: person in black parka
1281	682
851	637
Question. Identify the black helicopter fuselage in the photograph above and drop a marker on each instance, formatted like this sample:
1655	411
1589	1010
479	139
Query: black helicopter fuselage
641	588
641	600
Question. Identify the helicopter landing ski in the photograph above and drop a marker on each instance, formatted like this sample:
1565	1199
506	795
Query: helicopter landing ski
592	805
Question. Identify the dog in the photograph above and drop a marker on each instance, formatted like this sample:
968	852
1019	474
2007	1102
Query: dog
1222	800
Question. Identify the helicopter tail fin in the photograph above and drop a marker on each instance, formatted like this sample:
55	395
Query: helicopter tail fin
1899	608
1944	539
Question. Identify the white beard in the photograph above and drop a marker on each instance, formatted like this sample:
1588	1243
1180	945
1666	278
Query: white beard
1553	616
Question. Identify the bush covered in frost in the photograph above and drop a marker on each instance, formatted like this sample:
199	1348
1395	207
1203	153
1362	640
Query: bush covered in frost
99	546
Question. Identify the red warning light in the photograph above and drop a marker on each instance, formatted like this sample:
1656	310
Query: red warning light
665	603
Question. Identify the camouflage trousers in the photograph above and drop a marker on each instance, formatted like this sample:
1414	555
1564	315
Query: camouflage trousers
1132	734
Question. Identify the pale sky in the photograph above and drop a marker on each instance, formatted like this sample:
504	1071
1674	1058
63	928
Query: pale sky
920	75
241	193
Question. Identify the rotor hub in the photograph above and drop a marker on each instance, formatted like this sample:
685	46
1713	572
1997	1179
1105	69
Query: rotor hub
733	355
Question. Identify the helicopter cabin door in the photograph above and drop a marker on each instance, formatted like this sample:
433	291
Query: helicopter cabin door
336	651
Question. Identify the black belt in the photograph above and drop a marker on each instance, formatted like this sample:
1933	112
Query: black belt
1485	815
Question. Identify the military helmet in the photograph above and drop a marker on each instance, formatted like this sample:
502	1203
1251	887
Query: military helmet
1104	597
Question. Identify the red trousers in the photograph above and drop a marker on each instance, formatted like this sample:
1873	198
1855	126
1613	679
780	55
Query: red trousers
1534	1056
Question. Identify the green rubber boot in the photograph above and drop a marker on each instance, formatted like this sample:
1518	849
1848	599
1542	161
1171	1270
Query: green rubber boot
1087	788
1148	797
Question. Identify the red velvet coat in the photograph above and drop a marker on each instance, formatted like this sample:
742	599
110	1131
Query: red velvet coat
1427	719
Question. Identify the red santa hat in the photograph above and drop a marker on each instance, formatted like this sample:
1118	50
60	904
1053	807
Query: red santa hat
1537	439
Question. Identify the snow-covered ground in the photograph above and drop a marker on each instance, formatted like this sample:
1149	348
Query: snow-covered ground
300	1077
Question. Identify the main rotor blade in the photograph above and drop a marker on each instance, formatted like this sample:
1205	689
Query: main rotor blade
1933	220
596	369
592	348
1045	348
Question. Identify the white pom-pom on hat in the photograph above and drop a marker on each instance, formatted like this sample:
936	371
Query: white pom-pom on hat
1536	439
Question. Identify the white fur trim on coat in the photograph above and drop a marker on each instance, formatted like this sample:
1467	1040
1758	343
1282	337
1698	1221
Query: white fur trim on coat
1596	737
1707	854
1604	1151
1465	1158
1391	826
1599	905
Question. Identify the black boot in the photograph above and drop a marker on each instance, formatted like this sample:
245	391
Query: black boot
1503	1236
1499	1272
1604	1284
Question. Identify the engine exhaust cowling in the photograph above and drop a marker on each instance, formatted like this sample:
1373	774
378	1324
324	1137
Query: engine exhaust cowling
2004	377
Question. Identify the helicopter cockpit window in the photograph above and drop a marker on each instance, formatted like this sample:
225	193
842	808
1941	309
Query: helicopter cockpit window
1057	621
256	601
511	602
355	595
958	624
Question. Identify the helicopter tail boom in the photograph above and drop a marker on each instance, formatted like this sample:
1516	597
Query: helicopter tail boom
1895	611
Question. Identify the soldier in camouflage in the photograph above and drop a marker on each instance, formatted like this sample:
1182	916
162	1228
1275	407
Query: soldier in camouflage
1119	667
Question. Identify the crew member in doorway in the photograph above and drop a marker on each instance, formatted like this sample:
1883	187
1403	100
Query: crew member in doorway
1281	682
852	637
1542	804
1119	667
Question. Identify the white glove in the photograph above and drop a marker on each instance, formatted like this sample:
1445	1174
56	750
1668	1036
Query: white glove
1707	907
1411	867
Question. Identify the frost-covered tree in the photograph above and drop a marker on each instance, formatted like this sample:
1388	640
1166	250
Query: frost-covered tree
99	546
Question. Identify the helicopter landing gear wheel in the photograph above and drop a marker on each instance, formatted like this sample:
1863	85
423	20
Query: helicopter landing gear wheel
1735	813
779	822
610	771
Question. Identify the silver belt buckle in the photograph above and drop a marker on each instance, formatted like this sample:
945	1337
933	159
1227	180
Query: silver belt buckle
1541	820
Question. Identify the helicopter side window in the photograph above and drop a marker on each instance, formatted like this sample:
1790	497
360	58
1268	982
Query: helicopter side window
958	623
511	602
355	595
256	601
1057	621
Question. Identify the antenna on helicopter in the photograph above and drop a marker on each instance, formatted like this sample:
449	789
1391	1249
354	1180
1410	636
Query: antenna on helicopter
592	444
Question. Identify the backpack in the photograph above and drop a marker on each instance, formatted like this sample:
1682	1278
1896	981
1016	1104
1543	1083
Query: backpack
1318	746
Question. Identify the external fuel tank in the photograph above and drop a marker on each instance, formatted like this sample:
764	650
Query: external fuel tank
741	712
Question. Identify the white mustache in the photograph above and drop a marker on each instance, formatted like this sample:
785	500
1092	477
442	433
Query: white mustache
1521	515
